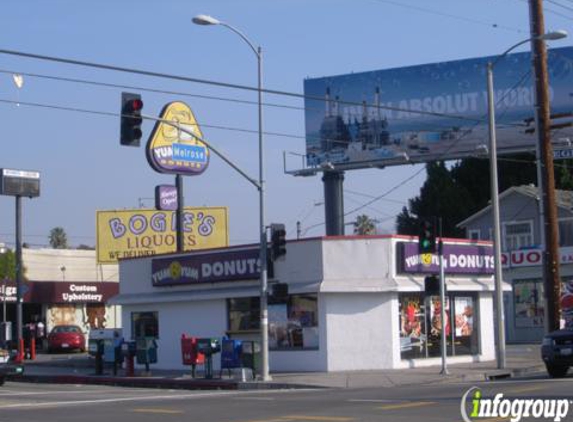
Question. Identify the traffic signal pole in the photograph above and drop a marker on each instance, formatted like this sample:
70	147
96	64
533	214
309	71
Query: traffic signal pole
444	339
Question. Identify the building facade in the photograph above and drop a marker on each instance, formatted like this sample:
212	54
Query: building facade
522	253
354	303
63	286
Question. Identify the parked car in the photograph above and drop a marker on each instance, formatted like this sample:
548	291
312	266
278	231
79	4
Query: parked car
66	338
557	352
7	366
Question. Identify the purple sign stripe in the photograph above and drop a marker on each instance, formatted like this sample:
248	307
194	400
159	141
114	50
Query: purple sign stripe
458	259
206	268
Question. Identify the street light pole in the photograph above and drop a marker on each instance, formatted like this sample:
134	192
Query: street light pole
264	317
498	278
498	275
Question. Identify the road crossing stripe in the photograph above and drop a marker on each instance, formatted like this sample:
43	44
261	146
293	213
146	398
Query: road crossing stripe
317	418
406	405
167	411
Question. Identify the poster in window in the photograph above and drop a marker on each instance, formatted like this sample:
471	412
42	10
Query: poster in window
412	336
464	317
528	302
278	326
436	317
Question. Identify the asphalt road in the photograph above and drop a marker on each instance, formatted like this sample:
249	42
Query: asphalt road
24	402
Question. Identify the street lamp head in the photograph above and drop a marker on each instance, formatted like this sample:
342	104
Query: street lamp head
554	35
205	20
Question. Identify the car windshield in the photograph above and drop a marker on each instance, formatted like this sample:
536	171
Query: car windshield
67	329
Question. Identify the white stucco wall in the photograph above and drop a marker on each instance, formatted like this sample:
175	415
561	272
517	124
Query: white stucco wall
360	334
486	326
203	319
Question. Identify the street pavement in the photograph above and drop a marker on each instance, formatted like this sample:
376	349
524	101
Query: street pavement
522	360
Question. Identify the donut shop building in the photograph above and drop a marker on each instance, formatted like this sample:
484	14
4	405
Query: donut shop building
354	303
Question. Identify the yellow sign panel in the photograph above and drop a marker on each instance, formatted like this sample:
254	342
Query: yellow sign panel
144	232
176	151
427	259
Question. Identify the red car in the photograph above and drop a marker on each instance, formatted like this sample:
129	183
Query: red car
66	338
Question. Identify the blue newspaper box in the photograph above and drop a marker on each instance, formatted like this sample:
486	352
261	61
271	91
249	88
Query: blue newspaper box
231	351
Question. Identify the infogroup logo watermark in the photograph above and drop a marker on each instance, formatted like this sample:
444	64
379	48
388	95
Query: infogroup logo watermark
474	407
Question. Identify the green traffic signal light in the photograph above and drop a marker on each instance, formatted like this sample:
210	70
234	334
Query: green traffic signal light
427	237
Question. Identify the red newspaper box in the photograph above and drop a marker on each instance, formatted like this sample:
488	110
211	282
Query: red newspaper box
189	352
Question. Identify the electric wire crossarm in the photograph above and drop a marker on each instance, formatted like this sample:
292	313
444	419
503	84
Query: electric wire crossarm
221	155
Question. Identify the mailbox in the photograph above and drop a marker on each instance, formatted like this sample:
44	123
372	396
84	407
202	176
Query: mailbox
146	350
189	352
208	346
231	351
251	355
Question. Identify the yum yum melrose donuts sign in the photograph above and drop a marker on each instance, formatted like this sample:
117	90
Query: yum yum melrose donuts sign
231	265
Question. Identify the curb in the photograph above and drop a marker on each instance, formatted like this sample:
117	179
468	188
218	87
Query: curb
159	383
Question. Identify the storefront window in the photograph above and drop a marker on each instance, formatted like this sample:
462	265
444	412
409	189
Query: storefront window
244	314
528	303
144	324
293	323
421	325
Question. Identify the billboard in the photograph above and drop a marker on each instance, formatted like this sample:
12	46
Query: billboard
431	112
145	232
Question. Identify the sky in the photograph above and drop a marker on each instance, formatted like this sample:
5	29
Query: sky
69	131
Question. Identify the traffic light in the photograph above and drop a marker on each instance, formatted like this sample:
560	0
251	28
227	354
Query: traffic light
279	293
278	239
131	106
432	285
427	237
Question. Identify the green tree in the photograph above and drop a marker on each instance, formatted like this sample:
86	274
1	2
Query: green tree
440	196
8	265
463	190
58	238
364	225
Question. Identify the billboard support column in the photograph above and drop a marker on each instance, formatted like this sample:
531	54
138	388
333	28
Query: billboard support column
334	202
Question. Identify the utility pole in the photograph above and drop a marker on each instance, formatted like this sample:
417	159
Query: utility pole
551	278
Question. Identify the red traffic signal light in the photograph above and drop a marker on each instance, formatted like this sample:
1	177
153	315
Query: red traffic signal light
131	106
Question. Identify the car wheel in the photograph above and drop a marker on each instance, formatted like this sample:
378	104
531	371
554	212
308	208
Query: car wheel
557	371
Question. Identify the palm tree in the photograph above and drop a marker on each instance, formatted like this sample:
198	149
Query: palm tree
364	225
58	238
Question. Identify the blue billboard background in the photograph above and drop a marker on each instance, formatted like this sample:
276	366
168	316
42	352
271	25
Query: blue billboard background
434	111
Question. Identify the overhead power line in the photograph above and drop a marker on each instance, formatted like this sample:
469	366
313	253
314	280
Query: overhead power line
221	84
451	16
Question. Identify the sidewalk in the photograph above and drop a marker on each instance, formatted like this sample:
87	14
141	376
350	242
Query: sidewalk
80	369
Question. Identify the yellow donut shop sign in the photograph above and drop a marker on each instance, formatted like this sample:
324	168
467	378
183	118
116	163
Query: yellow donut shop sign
146	232
172	150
